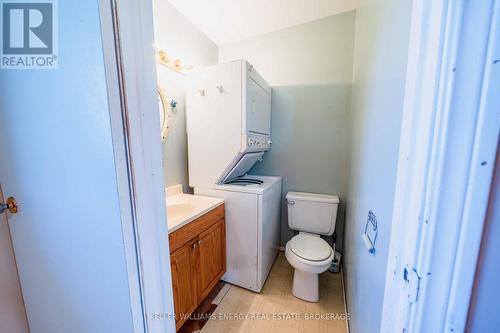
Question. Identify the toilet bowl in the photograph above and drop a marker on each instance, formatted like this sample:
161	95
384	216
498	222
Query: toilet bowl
310	255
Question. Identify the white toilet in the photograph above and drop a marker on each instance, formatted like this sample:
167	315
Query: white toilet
312	215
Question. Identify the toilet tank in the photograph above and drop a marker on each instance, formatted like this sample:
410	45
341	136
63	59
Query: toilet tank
314	213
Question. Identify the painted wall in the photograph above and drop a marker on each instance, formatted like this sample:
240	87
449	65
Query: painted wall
380	57
57	159
309	67
181	40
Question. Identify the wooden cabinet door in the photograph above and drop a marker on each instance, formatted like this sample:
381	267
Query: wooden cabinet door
211	258
183	265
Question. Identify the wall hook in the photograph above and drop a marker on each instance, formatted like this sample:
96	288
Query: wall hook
220	88
202	92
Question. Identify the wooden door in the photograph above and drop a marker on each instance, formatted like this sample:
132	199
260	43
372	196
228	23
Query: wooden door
212	259
183	266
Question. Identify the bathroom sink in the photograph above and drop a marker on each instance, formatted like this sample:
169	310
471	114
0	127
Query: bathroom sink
183	208
176	210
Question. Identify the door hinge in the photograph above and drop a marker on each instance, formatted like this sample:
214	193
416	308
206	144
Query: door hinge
412	283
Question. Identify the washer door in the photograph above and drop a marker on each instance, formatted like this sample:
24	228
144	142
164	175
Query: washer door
244	165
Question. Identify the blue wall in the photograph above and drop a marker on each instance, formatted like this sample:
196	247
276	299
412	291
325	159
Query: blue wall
309	67
380	57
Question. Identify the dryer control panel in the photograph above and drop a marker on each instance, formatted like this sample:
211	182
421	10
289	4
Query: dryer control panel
255	142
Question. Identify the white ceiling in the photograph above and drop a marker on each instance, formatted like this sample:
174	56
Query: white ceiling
226	21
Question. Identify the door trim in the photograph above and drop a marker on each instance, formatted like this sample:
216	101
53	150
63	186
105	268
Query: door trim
431	129
4	218
127	36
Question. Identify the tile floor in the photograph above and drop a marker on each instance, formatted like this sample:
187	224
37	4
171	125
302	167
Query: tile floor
277	300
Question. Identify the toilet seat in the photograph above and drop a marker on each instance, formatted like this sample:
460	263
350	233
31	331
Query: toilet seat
310	247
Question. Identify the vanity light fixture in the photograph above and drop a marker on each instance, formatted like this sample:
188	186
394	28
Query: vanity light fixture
174	64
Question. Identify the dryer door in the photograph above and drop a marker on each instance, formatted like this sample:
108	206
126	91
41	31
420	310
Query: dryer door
258	108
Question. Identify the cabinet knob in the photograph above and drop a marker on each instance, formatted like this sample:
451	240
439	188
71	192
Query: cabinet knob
194	246
199	242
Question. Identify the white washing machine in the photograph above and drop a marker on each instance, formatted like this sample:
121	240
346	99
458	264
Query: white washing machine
228	114
253	208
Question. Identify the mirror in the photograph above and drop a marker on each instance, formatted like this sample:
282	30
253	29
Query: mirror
164	114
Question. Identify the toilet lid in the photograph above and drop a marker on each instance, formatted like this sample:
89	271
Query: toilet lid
310	247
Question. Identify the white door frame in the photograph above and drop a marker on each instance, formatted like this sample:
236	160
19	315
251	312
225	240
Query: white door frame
127	36
449	139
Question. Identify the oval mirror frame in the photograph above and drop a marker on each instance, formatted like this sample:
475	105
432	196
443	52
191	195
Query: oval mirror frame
164	114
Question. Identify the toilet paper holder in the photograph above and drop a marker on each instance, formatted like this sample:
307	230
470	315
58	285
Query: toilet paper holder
371	232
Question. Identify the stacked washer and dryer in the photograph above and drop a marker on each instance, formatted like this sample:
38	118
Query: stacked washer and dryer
228	111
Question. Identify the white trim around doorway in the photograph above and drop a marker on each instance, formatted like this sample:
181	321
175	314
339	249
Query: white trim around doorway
127	34
449	140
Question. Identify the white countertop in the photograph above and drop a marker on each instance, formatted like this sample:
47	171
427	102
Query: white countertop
184	208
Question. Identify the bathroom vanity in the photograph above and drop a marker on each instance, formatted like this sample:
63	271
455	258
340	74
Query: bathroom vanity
197	241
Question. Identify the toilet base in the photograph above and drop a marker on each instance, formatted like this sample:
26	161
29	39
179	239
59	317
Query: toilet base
305	286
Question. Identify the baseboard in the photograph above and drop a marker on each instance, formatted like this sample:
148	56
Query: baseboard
348	328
